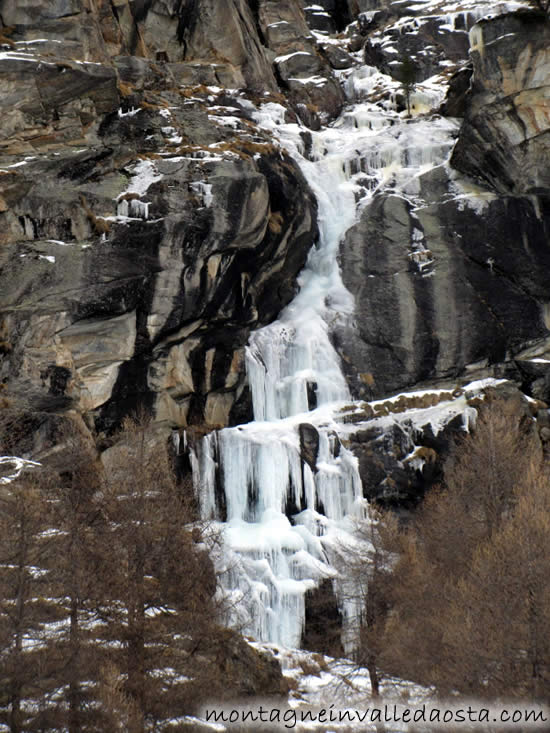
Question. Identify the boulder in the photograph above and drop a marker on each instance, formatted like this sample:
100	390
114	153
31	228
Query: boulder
217	33
337	57
309	444
245	671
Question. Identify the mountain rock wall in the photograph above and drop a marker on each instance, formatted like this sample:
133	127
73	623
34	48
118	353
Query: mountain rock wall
505	139
146	224
475	293
451	277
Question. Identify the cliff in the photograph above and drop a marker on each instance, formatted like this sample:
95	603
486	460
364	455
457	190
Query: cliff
150	223
221	213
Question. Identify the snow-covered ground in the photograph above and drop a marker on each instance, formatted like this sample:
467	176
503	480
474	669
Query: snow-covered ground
320	683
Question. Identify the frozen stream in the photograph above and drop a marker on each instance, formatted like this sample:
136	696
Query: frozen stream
288	518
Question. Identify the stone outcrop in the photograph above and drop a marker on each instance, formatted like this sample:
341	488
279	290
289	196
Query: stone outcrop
465	297
141	277
402	444
303	71
505	139
434	38
245	670
146	224
458	92
451	277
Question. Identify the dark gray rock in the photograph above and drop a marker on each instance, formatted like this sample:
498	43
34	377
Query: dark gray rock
428	43
309	444
457	93
476	291
226	35
337	57
163	236
303	74
245	671
113	299
323	623
340	14
319	20
401	456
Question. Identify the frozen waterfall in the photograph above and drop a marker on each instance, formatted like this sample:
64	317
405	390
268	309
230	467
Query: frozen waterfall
287	516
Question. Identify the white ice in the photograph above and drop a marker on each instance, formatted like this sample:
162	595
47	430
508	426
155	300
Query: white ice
287	520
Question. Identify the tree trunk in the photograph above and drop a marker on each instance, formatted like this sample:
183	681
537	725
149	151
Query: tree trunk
16	684
74	686
373	676
136	644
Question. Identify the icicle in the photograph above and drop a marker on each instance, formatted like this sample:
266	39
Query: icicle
203	467
270	560
176	441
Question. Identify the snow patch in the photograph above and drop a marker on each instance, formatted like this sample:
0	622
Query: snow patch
15	466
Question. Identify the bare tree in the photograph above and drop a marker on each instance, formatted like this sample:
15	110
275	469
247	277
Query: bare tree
486	467
468	592
116	705
366	568
162	581
498	612
22	521
76	556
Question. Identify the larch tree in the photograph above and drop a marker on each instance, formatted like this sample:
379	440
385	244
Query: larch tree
161	601
24	606
107	593
499	611
365	568
469	592
77	554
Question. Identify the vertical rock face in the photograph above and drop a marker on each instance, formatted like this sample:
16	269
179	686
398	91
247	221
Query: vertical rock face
505	138
475	292
302	70
224	38
146	224
159	305
151	219
448	276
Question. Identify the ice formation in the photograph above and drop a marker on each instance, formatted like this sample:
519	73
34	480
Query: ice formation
287	518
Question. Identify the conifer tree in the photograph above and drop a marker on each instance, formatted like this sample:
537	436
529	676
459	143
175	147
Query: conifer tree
471	590
407	77
160	601
107	594
499	611
24	608
77	554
